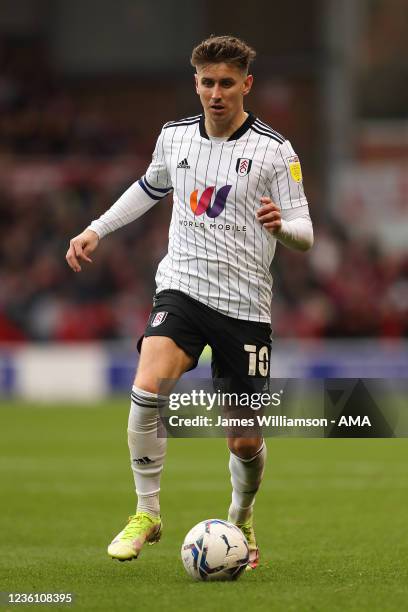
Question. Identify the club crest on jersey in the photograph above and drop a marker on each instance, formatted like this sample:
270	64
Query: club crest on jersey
243	166
158	318
295	168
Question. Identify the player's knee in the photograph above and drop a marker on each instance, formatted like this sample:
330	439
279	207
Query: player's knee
150	385
245	448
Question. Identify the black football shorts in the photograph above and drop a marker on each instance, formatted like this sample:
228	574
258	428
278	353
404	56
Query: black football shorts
240	349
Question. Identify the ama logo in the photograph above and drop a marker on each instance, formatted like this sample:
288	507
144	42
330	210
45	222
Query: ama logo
203	205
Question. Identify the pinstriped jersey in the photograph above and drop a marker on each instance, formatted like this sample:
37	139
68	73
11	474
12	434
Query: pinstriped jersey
218	252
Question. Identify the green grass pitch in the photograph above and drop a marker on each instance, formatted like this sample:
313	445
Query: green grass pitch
331	518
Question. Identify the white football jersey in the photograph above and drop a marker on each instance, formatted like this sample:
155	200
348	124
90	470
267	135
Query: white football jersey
219	253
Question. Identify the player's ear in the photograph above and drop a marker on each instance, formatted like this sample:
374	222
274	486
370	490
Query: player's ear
248	84
196	82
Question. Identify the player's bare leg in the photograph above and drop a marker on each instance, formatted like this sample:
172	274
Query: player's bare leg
160	358
247	462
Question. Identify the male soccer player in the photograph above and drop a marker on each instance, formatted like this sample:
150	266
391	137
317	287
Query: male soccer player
237	189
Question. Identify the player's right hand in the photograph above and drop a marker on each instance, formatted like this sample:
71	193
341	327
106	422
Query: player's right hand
80	248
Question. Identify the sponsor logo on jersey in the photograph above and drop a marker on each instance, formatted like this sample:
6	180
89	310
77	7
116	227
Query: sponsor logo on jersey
226	227
184	165
295	168
243	166
203	204
158	318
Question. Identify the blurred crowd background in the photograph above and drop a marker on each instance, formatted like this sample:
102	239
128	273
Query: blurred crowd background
84	90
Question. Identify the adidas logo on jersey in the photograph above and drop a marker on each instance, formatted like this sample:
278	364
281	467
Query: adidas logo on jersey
183	164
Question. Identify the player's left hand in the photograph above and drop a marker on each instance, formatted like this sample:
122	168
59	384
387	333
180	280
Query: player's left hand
269	215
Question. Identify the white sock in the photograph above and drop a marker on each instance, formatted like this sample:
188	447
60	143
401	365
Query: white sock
148	503
147	450
246	477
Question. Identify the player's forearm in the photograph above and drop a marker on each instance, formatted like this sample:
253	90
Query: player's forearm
296	233
133	203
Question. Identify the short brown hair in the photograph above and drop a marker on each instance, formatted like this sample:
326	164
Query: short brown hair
228	49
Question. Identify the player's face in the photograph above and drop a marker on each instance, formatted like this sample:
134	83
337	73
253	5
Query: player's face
221	88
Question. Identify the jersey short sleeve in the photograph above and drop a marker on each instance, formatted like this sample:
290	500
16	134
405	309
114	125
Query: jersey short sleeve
157	182
286	186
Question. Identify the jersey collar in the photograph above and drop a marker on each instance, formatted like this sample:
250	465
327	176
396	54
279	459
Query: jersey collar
237	134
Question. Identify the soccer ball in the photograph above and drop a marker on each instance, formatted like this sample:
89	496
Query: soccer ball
215	550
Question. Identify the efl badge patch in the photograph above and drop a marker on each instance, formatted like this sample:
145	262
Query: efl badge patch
158	318
295	169
243	166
